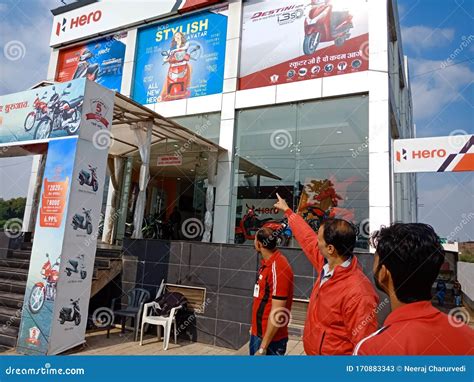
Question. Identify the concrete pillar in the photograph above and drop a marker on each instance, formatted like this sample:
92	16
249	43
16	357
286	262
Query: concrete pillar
143	137
224	214
123	206
380	166
111	210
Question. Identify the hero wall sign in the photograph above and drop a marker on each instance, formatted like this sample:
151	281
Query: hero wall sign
109	15
439	154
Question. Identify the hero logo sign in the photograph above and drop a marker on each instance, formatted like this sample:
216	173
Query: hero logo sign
99	111
78	21
420	154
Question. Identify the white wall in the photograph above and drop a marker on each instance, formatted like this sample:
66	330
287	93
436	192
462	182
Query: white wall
466	278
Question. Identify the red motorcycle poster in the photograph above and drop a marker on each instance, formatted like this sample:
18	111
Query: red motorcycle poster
284	41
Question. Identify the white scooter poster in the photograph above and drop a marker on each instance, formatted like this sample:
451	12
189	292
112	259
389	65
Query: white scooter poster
284	41
65	240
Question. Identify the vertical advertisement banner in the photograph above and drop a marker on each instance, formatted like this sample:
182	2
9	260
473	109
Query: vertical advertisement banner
58	289
100	61
44	272
181	59
43	113
284	41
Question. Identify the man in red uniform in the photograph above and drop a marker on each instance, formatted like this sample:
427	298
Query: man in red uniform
342	306
407	261
272	298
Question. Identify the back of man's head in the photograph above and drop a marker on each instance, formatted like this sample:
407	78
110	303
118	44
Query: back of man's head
267	238
341	234
413	255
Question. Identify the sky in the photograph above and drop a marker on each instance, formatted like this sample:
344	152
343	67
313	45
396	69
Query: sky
442	88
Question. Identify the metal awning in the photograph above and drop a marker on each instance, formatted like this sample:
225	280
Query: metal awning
165	131
128	112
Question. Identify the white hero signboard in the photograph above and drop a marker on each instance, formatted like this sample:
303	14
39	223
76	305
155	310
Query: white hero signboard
108	15
439	154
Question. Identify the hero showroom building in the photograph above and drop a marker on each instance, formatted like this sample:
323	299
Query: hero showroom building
306	97
300	97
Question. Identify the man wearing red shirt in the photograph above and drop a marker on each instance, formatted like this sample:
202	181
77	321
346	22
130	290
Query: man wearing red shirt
342	306
272	298
407	261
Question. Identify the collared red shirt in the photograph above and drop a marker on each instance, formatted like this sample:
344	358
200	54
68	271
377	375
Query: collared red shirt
327	274
274	281
419	329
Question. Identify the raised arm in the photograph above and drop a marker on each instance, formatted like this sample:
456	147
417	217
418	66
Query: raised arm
304	234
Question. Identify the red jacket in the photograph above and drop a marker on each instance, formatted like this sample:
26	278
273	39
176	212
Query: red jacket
343	310
419	329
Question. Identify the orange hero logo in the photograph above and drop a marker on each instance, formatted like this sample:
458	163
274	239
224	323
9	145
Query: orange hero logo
420	154
78	21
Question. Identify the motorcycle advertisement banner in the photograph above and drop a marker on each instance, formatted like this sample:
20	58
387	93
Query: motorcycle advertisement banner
44	273
62	260
79	248
181	59
285	41
100	61
42	113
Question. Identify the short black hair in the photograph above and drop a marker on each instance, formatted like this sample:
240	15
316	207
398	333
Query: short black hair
341	234
267	237
413	254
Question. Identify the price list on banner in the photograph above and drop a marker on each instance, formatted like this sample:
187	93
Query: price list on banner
53	202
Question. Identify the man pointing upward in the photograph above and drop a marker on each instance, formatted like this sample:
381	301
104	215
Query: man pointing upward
342	306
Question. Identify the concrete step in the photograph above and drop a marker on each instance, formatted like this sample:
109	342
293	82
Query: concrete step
15	263
20	255
12	286
11	300
8	341
9	317
13	274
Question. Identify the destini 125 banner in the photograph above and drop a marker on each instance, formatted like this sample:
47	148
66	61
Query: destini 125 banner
181	59
294	40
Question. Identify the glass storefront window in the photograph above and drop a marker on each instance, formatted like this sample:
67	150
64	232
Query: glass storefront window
317	156
206	125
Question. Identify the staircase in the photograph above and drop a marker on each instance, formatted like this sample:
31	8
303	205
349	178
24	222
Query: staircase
13	276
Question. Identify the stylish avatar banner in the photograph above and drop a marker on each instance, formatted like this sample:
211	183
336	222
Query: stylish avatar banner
181	59
100	61
285	41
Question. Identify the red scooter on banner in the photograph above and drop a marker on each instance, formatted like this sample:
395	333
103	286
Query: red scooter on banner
41	109
322	24
178	78
44	291
250	224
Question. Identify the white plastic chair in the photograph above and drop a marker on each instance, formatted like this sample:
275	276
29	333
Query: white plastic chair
165	322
